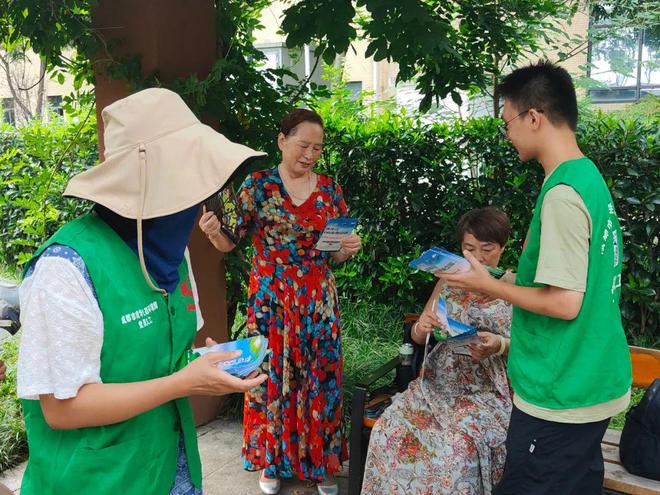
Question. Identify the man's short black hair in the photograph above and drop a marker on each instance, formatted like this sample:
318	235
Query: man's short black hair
543	86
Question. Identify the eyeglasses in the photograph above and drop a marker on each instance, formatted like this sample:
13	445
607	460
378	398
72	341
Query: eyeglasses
504	126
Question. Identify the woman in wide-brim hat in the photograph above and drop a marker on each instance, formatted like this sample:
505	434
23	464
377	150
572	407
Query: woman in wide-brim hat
109	312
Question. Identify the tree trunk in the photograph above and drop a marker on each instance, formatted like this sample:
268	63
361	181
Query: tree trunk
41	89
496	98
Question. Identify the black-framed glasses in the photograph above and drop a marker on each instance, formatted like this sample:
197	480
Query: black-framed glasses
504	126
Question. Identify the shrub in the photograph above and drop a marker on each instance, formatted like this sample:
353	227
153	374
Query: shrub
36	162
406	180
13	441
409	182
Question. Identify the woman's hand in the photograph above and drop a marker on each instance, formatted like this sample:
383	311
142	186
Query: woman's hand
203	376
489	344
350	245
210	225
209	222
427	321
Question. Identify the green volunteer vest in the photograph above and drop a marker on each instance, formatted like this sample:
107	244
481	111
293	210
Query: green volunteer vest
561	364
145	336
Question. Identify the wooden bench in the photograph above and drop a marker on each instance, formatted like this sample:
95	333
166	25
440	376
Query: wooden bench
646	368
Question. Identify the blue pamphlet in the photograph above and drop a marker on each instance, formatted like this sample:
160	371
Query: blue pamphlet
458	334
253	351
440	260
335	230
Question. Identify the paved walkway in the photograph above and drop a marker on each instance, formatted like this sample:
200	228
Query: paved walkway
222	466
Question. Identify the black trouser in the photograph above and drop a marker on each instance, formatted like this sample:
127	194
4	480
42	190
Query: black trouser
544	457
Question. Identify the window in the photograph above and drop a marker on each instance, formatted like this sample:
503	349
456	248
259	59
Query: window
355	88
55	105
626	65
8	112
273	57
278	56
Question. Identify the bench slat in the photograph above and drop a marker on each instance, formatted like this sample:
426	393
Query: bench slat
620	480
613	437
610	453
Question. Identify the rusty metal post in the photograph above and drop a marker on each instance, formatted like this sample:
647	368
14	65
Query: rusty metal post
176	38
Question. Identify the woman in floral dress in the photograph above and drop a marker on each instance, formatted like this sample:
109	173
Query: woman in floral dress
445	434
293	423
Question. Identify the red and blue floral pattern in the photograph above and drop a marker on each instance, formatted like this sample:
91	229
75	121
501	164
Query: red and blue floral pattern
293	423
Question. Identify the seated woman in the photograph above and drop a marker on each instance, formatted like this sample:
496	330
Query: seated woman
445	434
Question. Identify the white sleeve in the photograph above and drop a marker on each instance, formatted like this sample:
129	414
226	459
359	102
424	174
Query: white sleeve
193	288
62	335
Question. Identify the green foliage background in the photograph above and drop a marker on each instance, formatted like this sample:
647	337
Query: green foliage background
408	182
13	442
36	162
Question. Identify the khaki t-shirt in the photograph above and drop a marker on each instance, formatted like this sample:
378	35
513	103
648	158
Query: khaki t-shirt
564	262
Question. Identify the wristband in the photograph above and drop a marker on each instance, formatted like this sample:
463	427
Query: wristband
502	346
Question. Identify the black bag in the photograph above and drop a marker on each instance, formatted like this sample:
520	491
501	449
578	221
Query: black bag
639	447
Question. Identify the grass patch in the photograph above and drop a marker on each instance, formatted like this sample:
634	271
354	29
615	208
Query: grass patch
13	441
371	335
618	421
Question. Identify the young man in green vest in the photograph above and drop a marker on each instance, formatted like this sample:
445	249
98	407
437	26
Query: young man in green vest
568	361
109	313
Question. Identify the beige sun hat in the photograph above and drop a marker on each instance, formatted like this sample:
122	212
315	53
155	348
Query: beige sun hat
159	160
185	161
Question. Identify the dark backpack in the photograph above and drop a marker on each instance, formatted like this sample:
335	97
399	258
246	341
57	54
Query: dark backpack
639	447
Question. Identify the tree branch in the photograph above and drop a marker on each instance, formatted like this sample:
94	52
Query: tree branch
17	98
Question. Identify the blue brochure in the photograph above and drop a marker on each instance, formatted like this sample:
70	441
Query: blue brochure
253	351
458	334
439	260
335	230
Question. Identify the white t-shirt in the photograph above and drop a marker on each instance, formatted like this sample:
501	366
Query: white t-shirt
62	334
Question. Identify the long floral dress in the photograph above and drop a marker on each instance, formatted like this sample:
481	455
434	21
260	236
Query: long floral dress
445	434
293	423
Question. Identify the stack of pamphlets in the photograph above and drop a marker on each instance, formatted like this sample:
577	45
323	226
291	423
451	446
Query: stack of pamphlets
440	260
335	230
253	351
458	334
